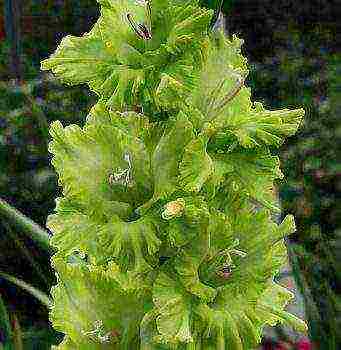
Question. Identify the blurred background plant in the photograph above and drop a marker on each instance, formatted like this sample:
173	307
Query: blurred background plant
304	72
295	61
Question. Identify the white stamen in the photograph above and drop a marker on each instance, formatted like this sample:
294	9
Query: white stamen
105	338
124	114
97	331
123	176
141	2
238	252
97	325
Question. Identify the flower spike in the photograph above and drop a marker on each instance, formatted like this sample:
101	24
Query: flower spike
167	166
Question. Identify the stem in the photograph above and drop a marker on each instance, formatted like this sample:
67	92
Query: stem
21	246
33	230
38	114
42	297
17	334
13	35
5	325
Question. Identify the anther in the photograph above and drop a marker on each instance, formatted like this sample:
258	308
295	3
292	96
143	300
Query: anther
143	31
225	272
140	29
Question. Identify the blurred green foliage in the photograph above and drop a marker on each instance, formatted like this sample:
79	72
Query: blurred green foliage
303	71
28	181
26	111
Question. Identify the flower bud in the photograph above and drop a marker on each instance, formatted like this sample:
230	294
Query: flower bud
173	209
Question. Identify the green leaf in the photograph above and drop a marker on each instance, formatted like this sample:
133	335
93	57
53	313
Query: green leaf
36	233
17	334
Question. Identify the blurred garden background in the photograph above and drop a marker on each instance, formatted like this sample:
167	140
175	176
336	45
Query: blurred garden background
294	54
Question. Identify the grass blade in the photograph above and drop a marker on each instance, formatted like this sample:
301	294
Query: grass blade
14	236
5	328
35	232
41	296
17	335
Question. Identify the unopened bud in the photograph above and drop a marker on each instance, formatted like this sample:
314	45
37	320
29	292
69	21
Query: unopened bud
173	209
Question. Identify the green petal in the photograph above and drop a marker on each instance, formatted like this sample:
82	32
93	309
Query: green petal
253	174
85	158
196	166
130	242
167	156
262	127
174	308
84	296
